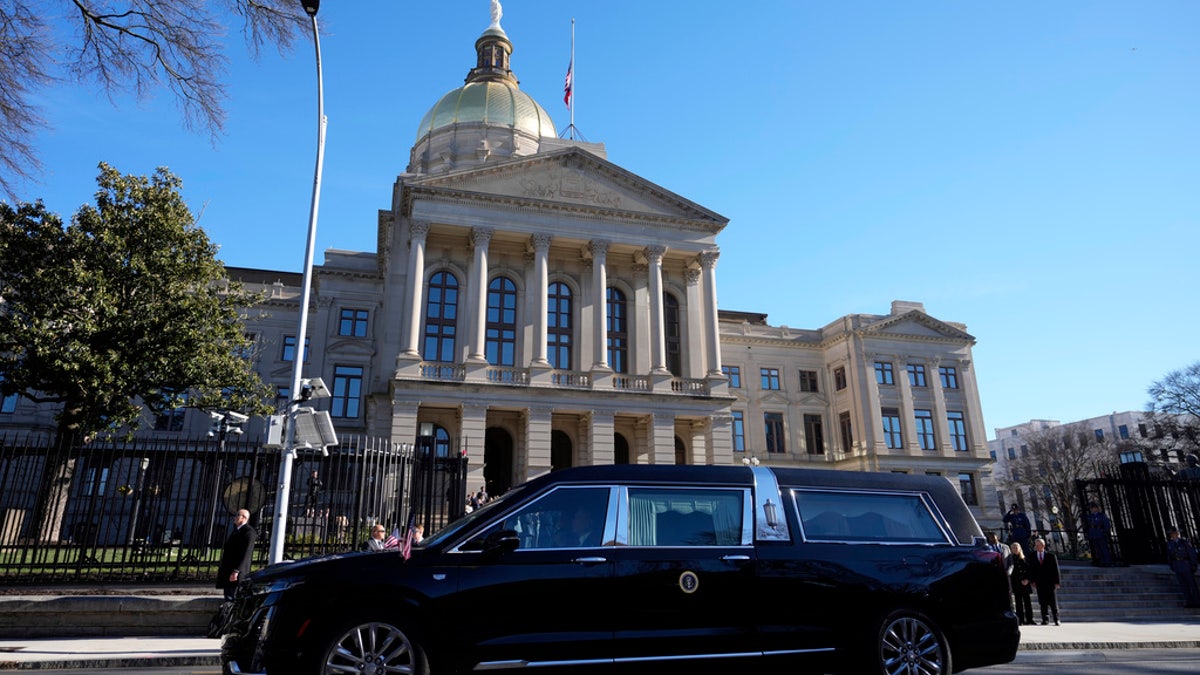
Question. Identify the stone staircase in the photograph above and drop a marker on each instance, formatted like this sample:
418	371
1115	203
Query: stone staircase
1134	593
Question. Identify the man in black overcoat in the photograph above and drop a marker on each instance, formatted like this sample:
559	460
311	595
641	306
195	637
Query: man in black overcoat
236	554
1044	574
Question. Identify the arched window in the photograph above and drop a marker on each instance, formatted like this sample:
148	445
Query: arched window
441	318
618	331
559	334
502	322
673	335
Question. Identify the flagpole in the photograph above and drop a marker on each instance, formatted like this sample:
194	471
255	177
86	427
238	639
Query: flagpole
572	127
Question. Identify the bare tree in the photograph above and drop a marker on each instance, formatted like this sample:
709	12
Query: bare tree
125	46
1049	463
1174	410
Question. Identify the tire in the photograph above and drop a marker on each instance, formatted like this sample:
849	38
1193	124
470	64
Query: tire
909	643
373	647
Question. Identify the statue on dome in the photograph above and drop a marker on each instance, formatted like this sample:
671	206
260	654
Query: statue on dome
497	12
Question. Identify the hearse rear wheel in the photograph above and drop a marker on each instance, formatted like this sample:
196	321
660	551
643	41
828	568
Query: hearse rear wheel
909	643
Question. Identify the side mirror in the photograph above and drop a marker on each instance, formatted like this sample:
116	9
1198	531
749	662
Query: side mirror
500	542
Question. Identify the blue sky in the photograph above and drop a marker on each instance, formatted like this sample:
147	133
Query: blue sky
1027	168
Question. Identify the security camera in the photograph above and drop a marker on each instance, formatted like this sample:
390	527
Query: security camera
313	388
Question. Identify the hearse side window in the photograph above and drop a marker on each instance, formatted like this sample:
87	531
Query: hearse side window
569	517
685	517
866	517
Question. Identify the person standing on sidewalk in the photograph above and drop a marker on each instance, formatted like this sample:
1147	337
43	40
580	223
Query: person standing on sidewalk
1022	588
1018	526
236	554
1043	570
1181	556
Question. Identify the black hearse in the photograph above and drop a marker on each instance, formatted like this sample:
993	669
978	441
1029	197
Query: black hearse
607	567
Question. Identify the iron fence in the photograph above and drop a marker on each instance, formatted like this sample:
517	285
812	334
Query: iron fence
159	510
1141	506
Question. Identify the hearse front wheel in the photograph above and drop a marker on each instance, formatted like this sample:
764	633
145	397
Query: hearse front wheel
369	647
909	643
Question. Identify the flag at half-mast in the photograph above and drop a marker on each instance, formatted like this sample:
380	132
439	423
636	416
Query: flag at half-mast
568	83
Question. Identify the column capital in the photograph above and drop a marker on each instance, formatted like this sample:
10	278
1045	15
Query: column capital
655	253
481	236
598	248
417	229
692	275
708	259
541	242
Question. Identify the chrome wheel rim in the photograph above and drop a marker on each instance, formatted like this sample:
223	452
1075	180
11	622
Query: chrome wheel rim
909	646
371	649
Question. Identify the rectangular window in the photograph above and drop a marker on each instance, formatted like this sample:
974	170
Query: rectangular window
966	487
739	431
774	429
1123	431
283	395
682	517
1099	434
883	373
892	435
925	436
808	381
957	423
814	437
353	323
289	348
8	403
171	419
246	351
916	375
827	515
770	378
347	391
847	431
839	378
95	482
734	373
1012	453
949	377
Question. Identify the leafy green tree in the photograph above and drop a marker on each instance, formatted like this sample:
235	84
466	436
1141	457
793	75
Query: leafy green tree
135	46
125	307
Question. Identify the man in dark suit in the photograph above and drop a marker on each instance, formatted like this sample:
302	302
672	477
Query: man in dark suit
1044	574
236	554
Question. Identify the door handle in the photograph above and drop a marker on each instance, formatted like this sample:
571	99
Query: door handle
590	560
735	558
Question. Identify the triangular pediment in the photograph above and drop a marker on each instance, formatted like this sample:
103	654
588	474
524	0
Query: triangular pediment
916	324
570	178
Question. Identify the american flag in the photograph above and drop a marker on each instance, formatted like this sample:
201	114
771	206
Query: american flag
393	540
410	530
567	83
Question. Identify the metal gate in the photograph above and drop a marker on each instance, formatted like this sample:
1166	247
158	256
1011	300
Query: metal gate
1142	506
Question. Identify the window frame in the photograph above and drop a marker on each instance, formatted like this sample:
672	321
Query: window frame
769	379
885	373
916	375
893	432
353	322
809	382
347	391
775	433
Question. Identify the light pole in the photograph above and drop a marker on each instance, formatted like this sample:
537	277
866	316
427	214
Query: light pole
278	530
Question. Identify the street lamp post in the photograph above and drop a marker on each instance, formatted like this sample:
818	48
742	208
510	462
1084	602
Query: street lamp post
278	530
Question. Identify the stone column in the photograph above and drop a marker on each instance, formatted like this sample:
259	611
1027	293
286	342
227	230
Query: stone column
662	438
941	426
908	420
696	358
541	274
601	437
416	285
472	433
477	304
599	251
712	343
720	439
537	439
658	345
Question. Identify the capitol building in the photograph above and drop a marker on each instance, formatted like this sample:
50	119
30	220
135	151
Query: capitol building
538	306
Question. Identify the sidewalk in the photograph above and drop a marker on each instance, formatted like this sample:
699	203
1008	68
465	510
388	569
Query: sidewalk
1037	643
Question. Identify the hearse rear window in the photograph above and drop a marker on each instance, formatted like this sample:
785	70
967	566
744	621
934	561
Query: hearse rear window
867	517
683	517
